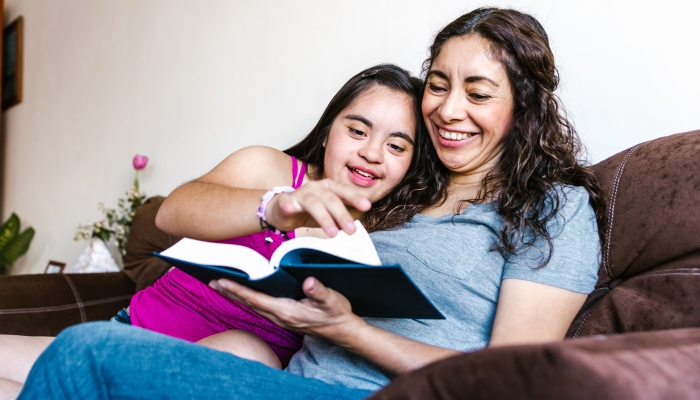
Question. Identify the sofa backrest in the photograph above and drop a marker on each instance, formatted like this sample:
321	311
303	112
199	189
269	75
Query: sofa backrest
144	238
650	273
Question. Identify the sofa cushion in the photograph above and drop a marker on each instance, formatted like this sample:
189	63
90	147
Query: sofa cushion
648	365
650	273
144	238
43	305
653	192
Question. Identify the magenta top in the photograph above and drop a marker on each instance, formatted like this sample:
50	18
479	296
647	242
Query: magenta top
179	305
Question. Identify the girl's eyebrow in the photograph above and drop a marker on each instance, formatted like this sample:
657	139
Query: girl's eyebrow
469	79
368	123
360	118
402	136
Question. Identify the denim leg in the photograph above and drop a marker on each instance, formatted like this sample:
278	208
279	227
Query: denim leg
102	360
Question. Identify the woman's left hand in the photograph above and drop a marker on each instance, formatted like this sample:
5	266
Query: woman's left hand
324	312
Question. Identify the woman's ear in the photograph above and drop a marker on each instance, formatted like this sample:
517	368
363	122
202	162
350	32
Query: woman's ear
325	141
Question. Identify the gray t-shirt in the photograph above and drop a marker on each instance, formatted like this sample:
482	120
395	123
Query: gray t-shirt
450	259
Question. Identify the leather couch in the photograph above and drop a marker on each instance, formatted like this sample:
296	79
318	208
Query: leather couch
636	337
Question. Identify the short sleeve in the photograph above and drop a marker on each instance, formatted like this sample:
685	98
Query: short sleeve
575	254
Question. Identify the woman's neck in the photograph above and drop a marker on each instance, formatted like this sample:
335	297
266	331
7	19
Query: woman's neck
462	186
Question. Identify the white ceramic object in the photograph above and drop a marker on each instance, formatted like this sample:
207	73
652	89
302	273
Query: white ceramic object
95	258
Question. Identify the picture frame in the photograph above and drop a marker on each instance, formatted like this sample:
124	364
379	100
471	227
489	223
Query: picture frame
12	63
55	267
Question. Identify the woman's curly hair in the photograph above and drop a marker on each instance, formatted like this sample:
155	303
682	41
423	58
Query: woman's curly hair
542	150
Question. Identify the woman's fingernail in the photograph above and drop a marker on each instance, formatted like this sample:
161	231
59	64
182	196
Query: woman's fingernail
349	227
215	285
332	231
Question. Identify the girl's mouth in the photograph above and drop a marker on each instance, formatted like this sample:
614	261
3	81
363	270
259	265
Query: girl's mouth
361	176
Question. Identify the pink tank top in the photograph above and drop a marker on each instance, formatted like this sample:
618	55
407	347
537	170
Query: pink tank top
179	305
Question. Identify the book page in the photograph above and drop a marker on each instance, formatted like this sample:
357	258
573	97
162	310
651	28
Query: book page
357	247
222	255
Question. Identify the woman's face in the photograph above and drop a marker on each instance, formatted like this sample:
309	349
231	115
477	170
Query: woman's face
370	144
467	105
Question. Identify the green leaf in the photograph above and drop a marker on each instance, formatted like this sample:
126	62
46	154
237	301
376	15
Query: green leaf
9	230
17	247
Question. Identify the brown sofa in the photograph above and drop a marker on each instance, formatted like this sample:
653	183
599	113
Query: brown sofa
646	302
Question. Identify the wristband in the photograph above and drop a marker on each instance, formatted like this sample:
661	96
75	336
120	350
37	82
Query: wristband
263	208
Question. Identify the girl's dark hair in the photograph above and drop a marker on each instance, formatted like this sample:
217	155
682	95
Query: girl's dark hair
425	182
542	150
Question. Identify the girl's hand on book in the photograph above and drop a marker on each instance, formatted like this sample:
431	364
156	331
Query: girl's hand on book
324	313
321	203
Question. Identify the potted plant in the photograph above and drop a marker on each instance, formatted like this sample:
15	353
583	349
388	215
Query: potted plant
13	244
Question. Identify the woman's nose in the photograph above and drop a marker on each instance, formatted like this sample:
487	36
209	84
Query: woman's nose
453	108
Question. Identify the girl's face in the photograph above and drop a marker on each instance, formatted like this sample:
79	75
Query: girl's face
370	144
467	105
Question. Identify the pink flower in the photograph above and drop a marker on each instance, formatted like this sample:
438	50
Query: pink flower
140	162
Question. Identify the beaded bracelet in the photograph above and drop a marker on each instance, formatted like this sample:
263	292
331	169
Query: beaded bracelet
264	225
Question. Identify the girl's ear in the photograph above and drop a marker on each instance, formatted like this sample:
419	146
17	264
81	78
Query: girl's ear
325	141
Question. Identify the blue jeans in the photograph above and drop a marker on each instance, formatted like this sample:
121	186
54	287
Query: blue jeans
102	360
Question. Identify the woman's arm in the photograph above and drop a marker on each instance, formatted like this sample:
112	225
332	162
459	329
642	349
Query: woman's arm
223	203
327	314
530	312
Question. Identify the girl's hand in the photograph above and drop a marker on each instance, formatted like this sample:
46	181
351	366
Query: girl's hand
320	203
324	313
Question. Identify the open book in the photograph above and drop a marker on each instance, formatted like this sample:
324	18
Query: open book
346	263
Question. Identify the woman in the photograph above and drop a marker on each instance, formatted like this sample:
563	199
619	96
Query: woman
509	256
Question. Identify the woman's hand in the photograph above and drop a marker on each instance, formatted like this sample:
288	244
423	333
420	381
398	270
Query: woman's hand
324	313
321	203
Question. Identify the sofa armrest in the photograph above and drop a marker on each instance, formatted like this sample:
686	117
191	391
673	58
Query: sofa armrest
43	305
646	365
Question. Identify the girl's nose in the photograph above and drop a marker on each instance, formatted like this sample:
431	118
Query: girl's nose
372	151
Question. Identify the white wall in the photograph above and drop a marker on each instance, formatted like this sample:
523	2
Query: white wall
188	82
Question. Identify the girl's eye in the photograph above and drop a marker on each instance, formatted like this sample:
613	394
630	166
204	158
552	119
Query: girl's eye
356	132
396	148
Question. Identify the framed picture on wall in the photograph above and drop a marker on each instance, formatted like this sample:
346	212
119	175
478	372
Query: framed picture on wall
55	267
12	63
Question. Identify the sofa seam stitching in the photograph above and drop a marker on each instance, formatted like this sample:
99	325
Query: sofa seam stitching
585	319
63	307
79	301
611	211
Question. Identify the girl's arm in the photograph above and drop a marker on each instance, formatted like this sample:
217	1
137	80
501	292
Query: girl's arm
223	203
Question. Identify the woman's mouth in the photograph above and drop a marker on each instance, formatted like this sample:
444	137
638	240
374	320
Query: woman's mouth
454	135
362	176
453	139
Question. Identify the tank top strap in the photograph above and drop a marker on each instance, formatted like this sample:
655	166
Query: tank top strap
297	174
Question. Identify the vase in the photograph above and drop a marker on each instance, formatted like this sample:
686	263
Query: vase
96	257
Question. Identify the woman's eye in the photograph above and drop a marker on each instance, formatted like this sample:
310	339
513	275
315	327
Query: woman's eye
436	89
356	132
479	96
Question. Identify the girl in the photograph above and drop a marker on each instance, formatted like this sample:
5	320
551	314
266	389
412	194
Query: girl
365	149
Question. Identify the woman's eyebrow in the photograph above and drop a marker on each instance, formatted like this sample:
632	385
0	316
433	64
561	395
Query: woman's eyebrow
477	78
469	79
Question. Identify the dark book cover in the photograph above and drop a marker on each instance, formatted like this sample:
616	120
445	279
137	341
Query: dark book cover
373	291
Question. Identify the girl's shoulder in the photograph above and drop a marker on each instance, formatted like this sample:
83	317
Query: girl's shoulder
253	167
